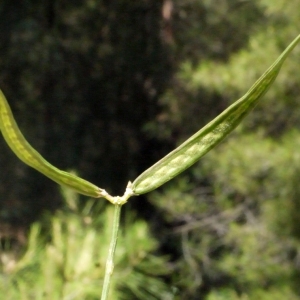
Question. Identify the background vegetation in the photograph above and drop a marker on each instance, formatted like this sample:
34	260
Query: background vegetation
107	88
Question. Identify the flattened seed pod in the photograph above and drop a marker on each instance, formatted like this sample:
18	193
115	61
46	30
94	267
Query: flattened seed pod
31	157
209	136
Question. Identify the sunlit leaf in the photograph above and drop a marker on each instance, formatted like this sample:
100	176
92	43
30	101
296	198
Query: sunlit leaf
209	136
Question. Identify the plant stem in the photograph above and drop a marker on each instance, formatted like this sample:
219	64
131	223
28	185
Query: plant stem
112	248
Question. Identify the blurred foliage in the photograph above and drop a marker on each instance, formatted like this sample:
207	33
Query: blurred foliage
204	86
242	231
232	221
68	262
119	84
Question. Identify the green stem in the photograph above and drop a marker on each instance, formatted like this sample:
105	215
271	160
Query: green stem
112	248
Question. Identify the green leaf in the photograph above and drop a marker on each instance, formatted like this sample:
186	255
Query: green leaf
25	152
210	135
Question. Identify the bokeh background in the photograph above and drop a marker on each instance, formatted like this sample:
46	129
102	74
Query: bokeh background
107	88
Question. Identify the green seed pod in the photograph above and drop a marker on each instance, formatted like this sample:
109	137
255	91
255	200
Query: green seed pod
210	135
31	157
